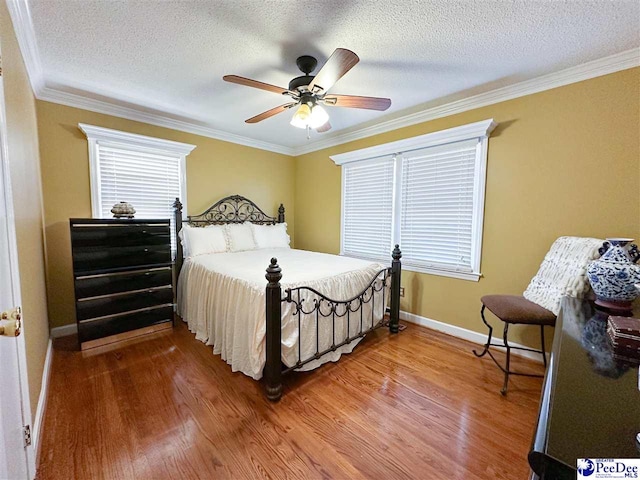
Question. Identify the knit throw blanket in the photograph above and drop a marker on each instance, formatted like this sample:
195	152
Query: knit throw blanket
563	272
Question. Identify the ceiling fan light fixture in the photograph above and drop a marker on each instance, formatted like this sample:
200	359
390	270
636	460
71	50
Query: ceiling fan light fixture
306	116
302	116
319	117
308	90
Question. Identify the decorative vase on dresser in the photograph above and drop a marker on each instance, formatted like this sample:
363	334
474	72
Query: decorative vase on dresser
123	210
123	278
613	276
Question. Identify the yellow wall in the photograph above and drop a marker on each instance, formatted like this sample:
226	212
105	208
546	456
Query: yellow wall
561	162
214	169
24	168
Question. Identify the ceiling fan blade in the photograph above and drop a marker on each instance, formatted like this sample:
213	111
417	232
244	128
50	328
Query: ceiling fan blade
354	101
270	113
324	128
339	63
254	83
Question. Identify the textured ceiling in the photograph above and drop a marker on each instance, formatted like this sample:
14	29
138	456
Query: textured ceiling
171	55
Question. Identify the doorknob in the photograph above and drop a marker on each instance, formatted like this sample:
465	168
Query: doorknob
13	327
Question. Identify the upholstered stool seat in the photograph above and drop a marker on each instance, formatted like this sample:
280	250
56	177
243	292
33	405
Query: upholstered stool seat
562	273
517	309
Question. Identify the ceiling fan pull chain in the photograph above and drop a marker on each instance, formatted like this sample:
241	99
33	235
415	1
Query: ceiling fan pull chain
308	132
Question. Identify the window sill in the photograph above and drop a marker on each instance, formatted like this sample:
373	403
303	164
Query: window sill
471	276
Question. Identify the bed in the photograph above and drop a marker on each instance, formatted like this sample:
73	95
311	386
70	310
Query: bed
265	329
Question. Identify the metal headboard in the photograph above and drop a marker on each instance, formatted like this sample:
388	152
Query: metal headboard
231	209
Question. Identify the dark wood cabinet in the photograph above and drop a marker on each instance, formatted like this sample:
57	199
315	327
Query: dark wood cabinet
590	404
123	278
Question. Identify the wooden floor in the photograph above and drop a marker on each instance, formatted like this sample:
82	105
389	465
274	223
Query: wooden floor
415	405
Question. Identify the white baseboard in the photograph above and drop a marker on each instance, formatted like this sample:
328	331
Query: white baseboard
42	400
64	330
465	334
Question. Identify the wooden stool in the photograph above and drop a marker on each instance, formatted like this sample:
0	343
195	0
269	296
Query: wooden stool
514	309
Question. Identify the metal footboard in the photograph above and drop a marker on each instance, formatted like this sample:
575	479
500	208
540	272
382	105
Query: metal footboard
323	307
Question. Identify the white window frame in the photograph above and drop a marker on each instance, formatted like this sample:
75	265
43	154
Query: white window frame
478	130
105	136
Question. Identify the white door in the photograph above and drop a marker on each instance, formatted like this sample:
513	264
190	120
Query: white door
17	460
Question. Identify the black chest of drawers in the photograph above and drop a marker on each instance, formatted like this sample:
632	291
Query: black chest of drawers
590	404
123	278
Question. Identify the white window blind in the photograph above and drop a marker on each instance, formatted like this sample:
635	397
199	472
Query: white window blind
368	208
149	181
437	206
147	172
424	193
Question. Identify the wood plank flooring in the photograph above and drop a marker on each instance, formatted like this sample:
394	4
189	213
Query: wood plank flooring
414	405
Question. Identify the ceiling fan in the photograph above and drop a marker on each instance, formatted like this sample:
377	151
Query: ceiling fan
309	92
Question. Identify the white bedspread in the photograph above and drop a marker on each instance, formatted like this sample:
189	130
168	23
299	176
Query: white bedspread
222	298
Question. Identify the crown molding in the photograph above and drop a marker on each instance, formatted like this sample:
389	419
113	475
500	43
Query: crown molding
23	26
141	114
603	66
596	68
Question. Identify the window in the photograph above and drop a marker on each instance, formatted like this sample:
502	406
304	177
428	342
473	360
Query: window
147	172
368	208
425	193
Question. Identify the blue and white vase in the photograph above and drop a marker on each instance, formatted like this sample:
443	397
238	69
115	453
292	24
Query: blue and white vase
614	274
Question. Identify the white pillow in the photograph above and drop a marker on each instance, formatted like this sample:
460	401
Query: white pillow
240	237
271	236
202	240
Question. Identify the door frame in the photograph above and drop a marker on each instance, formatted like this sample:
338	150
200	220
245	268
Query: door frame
15	278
